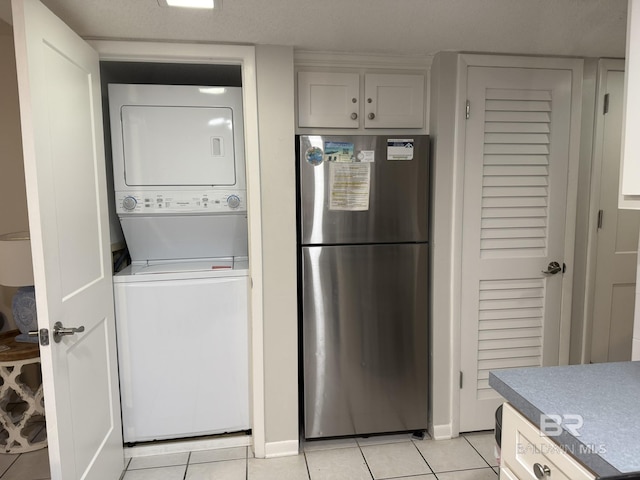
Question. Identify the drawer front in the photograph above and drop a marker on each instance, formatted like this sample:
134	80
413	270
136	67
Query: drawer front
506	474
523	447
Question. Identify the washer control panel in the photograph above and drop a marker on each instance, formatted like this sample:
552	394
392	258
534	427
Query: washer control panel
149	202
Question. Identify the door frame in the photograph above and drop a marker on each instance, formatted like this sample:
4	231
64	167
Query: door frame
447	244
605	66
131	51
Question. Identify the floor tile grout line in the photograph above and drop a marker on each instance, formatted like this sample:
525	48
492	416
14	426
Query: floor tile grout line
365	460
425	460
186	468
306	463
10	465
477	451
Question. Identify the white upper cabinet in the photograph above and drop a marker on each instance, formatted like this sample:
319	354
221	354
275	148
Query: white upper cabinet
328	99
333	100
394	101
630	171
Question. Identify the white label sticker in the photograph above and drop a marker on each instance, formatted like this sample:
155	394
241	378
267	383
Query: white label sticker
400	149
338	152
367	156
349	186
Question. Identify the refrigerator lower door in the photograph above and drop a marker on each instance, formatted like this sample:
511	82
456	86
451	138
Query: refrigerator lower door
365	311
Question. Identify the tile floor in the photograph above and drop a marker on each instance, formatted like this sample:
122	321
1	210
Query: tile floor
27	466
469	457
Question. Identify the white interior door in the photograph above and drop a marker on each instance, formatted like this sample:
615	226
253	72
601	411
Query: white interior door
617	239
59	89
515	192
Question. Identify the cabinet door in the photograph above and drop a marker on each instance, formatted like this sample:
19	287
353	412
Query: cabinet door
506	474
328	99
523	446
630	171
394	101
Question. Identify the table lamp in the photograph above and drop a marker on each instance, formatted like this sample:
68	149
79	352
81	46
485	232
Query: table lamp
16	270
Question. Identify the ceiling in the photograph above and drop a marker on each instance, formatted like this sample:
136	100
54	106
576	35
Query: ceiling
594	28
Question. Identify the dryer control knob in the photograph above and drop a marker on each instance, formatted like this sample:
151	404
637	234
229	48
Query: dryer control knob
129	203
233	201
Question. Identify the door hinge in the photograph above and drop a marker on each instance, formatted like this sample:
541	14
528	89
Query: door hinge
460	379
467	110
564	267
600	215
605	109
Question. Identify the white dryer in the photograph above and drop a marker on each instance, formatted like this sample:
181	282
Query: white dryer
181	307
179	170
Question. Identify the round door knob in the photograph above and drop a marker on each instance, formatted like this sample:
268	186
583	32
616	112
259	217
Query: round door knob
541	471
129	203
354	116
233	201
553	268
372	116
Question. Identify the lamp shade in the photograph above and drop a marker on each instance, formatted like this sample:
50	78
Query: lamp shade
16	269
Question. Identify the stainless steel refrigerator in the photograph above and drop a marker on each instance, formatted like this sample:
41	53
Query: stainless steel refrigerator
363	234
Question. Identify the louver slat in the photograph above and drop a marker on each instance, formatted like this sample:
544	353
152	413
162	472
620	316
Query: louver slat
510	327
515	173
514	223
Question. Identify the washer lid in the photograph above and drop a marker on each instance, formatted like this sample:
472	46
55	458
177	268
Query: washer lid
217	264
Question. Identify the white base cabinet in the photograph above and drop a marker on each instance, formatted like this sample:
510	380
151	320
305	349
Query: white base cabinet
529	454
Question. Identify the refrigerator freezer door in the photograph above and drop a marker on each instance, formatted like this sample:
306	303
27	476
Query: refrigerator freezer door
397	209
365	339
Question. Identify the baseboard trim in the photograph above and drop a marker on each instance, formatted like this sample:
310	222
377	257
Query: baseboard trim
281	449
442	432
182	446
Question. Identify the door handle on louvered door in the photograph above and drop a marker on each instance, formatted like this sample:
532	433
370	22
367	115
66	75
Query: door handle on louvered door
552	269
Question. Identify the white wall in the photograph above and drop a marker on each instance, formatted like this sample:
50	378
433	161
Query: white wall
274	67
13	198
580	341
635	352
444	331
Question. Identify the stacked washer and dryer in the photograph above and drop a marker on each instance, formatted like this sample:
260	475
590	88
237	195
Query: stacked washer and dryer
181	306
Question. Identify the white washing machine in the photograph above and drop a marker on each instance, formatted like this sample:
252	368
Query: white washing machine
183	349
181	306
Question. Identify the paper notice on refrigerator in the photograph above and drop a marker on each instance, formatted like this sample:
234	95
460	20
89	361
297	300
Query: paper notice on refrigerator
349	186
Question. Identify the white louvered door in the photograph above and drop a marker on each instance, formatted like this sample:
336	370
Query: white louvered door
516	169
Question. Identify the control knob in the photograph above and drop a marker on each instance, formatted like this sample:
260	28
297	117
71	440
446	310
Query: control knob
129	203
233	201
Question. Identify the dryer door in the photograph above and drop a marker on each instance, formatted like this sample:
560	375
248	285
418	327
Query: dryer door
176	145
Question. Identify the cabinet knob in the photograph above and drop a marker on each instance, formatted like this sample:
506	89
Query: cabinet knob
372	116
354	100
541	471
369	100
354	116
